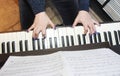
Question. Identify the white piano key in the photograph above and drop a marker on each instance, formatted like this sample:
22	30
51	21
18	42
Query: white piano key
28	36
62	33
98	37
22	38
11	38
108	37
14	39
118	36
71	32
56	35
1	38
1	41
93	38
44	41
50	35
113	38
87	39
102	37
18	38
79	30
40	40
35	45
5	40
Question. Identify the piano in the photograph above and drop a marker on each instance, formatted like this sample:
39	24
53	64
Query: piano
22	41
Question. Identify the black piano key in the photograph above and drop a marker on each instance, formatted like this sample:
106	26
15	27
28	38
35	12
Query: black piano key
33	43
95	38
99	37
8	47
13	46
21	45
3	47
90	37
116	38
38	42
67	39
55	40
43	43
84	40
26	45
110	38
105	36
51	45
119	36
63	44
79	39
72	40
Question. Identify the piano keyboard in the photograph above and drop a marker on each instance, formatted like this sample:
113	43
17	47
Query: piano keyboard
61	37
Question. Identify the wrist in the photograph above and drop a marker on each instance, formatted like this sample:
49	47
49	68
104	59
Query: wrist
83	11
41	13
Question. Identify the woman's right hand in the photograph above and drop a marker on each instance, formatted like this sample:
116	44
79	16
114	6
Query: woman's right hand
40	24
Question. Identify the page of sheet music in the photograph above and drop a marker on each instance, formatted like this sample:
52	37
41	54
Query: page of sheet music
98	62
47	65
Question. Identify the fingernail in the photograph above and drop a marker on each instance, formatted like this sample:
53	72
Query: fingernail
35	38
54	28
27	31
84	34
90	35
43	38
96	32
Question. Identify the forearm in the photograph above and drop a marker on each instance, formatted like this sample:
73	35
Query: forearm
84	5
37	5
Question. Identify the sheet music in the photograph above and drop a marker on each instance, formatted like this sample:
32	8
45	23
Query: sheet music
47	65
98	62
95	62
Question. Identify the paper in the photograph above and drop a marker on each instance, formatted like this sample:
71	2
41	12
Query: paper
47	65
97	62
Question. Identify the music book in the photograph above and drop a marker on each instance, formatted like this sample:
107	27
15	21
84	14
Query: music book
94	62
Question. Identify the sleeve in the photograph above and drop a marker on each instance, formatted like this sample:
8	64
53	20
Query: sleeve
37	5
84	5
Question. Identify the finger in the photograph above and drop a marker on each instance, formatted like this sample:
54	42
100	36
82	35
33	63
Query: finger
85	29
96	22
75	23
44	33
36	32
52	24
92	28
31	27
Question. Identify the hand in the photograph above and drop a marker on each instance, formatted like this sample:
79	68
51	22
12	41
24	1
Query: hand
88	23
40	24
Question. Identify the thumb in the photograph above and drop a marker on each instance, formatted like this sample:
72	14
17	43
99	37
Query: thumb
52	24
75	22
31	28
96	23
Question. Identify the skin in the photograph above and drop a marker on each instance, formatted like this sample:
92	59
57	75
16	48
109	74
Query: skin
41	22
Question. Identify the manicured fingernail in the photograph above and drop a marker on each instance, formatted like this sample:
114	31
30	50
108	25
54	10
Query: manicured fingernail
27	31
90	35
54	28
43	38
84	34
96	32
35	38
